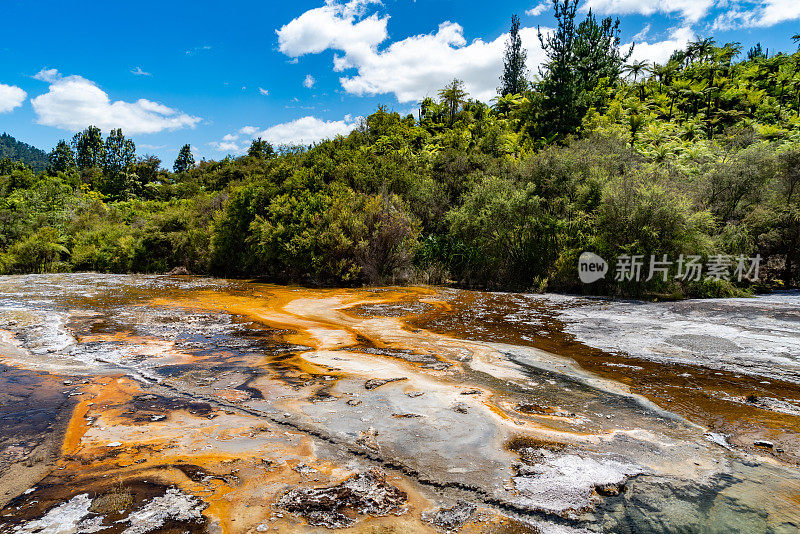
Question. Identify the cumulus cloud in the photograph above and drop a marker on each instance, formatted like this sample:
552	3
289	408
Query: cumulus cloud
309	82
302	131
660	51
228	146
537	10
307	130
420	65
139	72
11	97
334	26
73	103
411	68
691	10
766	14
263	91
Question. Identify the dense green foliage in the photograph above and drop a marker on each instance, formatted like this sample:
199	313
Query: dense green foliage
700	156
18	151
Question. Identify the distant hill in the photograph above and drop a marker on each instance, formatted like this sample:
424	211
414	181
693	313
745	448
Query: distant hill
19	151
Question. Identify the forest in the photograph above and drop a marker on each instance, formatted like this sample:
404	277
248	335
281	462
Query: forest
699	155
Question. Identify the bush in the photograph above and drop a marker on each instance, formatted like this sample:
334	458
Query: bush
40	252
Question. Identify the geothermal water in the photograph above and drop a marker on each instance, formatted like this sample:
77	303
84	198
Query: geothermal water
140	404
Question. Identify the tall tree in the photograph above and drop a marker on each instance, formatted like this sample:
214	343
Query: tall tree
756	52
185	160
61	158
636	68
514	79
120	153
260	149
597	56
702	48
144	172
89	148
597	52
559	81
453	95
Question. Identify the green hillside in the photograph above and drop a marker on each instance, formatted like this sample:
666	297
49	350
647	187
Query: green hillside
18	151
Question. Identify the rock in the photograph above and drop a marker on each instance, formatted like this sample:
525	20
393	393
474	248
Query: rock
364	493
450	518
406	415
267	463
378	382
71	516
304	469
353	402
174	505
437	366
763	443
75	516
719	439
414	394
566	483
460	407
472	392
369	439
181	270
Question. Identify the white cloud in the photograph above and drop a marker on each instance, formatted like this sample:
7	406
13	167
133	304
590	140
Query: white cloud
309	82
660	51
412	68
333	26
227	146
73	103
691	10
47	75
11	97
139	72
776	11
768	13
420	65
537	10
303	131
263	91
642	34
307	130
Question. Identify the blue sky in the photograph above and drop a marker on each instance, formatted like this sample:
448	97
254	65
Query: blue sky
216	75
